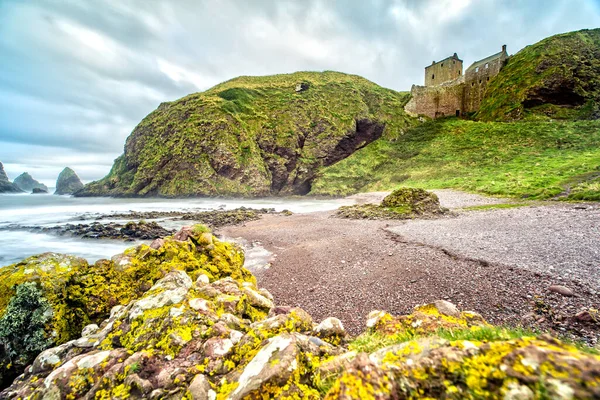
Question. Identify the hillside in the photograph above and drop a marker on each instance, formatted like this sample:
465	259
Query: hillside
530	138
253	136
525	159
558	77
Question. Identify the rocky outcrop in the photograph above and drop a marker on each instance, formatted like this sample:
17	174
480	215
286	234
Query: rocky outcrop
26	183
68	182
253	136
39	191
76	293
402	203
7	186
557	78
204	330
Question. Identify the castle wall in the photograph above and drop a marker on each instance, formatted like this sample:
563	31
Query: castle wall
477	78
443	71
437	101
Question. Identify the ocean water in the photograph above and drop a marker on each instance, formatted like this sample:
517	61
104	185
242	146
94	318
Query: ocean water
21	210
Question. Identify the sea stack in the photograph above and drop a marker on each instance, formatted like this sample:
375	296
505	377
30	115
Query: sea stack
7	186
68	182
26	183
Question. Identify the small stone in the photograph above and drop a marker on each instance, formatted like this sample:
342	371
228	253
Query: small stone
446	308
217	347
199	387
157	243
199	304
330	327
203	279
562	290
89	330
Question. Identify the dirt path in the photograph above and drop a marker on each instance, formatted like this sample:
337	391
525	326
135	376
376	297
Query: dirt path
346	268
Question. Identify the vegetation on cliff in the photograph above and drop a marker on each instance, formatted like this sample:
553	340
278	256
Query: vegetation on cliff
558	78
204	330
253	136
26	183
68	182
536	159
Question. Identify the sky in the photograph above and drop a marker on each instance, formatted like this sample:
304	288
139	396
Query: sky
77	76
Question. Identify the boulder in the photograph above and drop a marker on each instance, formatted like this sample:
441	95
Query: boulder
39	191
26	183
68	182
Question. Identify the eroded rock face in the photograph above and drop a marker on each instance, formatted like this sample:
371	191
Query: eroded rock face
68	182
5	185
278	153
26	183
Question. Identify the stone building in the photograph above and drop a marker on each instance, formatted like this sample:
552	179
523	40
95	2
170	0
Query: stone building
448	92
443	71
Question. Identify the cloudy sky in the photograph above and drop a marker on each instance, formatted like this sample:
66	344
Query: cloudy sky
77	75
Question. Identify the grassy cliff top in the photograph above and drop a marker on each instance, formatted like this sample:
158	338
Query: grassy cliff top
253	136
558	77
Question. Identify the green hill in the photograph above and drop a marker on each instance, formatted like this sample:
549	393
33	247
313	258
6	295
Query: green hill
558	77
531	139
535	159
253	136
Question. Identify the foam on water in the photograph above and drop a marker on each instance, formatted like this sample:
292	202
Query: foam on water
47	210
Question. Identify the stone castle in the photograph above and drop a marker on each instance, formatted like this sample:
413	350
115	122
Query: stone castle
448	91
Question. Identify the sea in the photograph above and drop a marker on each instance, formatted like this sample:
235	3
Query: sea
20	212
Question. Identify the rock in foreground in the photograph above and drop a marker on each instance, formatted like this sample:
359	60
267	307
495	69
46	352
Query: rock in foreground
207	332
26	183
403	203
68	182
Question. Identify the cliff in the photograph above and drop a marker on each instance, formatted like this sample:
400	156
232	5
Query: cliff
26	183
253	136
182	319
7	186
558	77
68	182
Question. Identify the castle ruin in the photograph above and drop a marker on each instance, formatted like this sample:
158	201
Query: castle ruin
448	91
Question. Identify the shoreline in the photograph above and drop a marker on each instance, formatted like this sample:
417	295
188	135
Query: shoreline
346	268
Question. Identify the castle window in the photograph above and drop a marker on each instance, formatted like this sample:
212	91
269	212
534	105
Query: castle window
487	65
432	76
472	83
488	78
480	81
442	64
476	69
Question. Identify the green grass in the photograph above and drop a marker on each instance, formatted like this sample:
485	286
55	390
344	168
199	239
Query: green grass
371	342
234	138
533	159
496	206
555	78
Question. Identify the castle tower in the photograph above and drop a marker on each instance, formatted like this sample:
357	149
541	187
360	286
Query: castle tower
446	70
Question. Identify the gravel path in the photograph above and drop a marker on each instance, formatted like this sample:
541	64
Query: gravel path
558	239
346	268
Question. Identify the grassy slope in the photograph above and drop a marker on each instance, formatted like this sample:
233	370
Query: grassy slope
233	138
570	61
527	159
542	154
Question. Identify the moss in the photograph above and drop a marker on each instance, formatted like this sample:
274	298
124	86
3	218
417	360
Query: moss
253	136
556	78
23	326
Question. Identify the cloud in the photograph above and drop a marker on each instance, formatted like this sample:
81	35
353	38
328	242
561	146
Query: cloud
76	77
